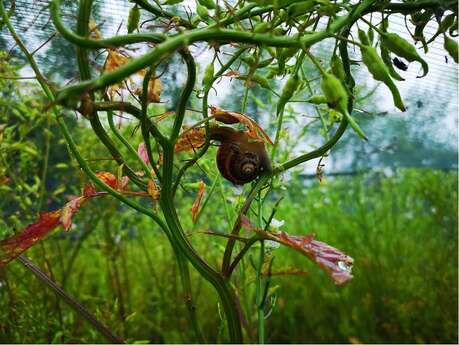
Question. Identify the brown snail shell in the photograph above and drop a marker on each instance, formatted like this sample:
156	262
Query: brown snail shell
239	158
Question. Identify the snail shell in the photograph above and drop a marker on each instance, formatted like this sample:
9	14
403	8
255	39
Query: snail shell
239	159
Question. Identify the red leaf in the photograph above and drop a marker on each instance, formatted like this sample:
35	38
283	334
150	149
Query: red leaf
334	262
108	178
197	201
14	246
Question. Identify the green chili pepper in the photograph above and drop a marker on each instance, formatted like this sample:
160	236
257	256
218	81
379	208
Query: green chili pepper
363	37
444	25
337	67
202	11
317	99
420	20
385	56
451	47
261	27
371	35
133	19
300	8
337	99
380	72
210	4
208	76
256	78
404	49
288	91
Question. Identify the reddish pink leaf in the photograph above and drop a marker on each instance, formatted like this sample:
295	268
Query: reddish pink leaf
334	262
14	246
142	152
108	178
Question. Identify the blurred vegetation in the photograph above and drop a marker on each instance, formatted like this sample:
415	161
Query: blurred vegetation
400	229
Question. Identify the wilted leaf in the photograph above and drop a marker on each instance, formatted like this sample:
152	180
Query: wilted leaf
335	263
190	139
154	90
14	246
114	60
153	190
197	201
232	74
70	209
231	117
94	30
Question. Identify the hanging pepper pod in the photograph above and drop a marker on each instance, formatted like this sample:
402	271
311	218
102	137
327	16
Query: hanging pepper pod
420	20
404	49
208	76
450	46
202	11
380	72
317	99
385	56
443	26
210	4
133	19
363	37
337	99
371	35
288	91
261	27
337	67
300	8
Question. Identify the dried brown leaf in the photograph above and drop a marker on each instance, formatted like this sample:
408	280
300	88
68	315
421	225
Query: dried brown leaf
191	140
197	201
231	117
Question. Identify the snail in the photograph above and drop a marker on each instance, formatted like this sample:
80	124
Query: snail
240	159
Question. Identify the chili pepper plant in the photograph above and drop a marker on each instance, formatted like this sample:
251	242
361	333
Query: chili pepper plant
258	44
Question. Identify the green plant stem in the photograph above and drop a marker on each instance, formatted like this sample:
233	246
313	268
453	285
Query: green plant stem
205	115
144	121
237	225
223	288
259	293
162	13
126	143
47	134
280	112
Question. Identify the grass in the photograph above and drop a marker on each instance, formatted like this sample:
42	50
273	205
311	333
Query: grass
400	229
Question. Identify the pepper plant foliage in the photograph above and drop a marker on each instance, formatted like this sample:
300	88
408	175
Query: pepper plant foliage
258	43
